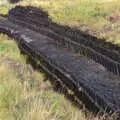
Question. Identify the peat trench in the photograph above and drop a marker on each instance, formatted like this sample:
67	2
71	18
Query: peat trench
53	47
79	42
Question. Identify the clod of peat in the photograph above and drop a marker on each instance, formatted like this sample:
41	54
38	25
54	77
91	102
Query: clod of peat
14	1
75	40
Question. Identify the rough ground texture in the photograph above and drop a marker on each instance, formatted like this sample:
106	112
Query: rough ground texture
102	52
80	74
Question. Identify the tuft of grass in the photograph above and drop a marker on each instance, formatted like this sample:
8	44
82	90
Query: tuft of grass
8	47
4	8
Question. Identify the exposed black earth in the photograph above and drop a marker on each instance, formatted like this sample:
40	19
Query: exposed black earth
14	1
102	52
54	48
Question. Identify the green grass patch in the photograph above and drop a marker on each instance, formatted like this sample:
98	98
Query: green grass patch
8	47
4	8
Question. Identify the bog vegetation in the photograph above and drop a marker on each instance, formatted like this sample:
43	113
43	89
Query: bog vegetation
24	95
